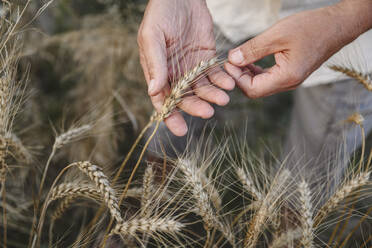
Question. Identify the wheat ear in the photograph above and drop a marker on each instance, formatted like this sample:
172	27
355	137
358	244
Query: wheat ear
267	208
68	200
63	206
71	135
148	226
202	198
343	192
182	85
248	184
148	189
60	141
21	152
364	79
73	190
212	191
102	183
5	101
96	174
306	215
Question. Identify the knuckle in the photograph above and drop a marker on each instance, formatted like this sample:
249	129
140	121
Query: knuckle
294	77
146	34
250	49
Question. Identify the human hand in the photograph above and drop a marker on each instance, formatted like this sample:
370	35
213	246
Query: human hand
300	44
173	37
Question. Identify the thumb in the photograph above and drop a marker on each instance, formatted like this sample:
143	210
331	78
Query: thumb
253	50
153	49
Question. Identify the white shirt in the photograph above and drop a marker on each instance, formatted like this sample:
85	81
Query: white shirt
239	20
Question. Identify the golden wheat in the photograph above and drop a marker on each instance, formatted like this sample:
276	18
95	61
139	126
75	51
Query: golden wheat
306	211
364	79
96	174
183	84
343	192
248	184
73	190
212	191
202	198
20	151
148	226
148	189
267	208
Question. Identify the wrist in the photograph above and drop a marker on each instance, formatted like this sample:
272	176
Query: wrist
354	17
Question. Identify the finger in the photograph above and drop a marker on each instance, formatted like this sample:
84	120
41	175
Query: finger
153	47
194	106
144	67
254	49
176	124
264	84
204	90
222	79
158	100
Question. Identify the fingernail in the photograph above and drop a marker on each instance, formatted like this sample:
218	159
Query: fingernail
182	130
236	57
151	88
209	113
224	100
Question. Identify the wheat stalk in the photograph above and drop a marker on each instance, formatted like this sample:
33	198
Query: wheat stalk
343	192
3	172
306	215
364	79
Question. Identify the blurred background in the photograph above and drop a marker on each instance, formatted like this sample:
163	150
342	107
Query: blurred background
83	59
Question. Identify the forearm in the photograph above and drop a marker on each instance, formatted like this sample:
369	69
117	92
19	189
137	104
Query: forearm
354	18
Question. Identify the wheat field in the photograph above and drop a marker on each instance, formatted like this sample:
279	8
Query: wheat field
76	166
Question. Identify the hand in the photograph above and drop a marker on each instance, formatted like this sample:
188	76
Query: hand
300	44
173	37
